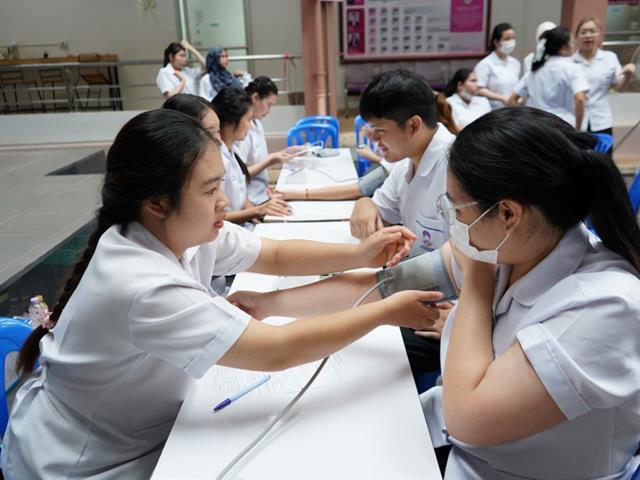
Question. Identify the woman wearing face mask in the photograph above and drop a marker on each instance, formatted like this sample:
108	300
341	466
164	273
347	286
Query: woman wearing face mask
216	75
466	106
555	84
235	111
175	77
603	71
498	72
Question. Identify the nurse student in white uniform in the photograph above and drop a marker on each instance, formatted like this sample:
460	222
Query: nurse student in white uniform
498	72
235	111
136	322
603	71
541	355
555	83
461	92
175	77
253	149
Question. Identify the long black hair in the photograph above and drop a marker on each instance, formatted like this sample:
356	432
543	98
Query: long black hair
554	39
541	161
461	75
231	104
496	34
152	156
172	49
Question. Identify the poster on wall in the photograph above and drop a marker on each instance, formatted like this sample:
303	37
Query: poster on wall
437	28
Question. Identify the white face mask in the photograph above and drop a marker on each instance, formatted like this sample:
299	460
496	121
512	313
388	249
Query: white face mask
464	94
460	236
507	46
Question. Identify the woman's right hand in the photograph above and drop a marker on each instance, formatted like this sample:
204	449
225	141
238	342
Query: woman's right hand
412	308
274	206
254	303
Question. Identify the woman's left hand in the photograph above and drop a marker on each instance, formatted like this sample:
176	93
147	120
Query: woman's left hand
253	303
386	246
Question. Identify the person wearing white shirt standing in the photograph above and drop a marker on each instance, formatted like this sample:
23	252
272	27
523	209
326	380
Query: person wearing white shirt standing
603	71
461	91
175	77
253	149
137	322
555	84
498	72
541	355
528	60
235	111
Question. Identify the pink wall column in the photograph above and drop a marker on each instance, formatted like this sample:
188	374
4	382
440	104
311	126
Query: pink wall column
574	10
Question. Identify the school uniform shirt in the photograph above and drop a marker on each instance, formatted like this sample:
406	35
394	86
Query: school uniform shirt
137	331
498	76
166	79
412	201
234	183
552	87
576	316
526	63
253	149
205	89
602	73
464	113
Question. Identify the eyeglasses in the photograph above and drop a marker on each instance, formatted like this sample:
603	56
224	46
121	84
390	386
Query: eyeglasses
447	209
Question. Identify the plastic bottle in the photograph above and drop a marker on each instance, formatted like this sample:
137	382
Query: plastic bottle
38	311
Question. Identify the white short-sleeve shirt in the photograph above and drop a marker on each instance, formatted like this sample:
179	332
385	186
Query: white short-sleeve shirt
116	367
497	75
205	89
234	183
576	315
410	200
526	63
253	149
553	86
464	113
602	72
166	79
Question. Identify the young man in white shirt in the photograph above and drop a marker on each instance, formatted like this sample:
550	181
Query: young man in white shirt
401	110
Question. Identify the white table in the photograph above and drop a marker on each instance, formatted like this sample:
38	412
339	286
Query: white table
316	172
361	420
316	211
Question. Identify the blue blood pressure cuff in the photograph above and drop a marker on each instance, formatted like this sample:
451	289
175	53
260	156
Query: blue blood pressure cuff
373	180
422	272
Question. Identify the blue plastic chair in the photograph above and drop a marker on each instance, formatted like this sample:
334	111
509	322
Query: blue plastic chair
303	133
604	142
333	121
362	164
13	334
634	193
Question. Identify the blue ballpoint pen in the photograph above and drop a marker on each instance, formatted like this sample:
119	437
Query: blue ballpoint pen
227	401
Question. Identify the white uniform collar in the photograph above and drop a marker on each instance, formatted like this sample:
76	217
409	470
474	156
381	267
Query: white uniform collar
493	56
138	233
431	155
563	261
579	58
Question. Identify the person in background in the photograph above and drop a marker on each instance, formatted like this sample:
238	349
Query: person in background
175	76
235	111
603	71
461	91
253	149
216	74
498	72
136	321
555	84
528	60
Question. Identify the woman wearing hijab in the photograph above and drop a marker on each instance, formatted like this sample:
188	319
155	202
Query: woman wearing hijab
217	76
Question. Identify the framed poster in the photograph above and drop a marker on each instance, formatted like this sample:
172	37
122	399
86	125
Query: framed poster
414	29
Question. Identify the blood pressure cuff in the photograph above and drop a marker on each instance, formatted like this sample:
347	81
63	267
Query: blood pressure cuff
422	272
373	180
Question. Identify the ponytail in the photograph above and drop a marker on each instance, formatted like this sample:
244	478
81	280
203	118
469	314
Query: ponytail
550	43
243	167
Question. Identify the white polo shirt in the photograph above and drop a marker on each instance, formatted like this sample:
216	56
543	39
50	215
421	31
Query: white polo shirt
138	329
497	75
552	87
602	72
205	89
464	113
253	149
576	315
234	183
412	201
166	79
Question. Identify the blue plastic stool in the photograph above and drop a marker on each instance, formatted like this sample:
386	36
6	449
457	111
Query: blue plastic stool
604	142
634	193
333	121
13	334
303	133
